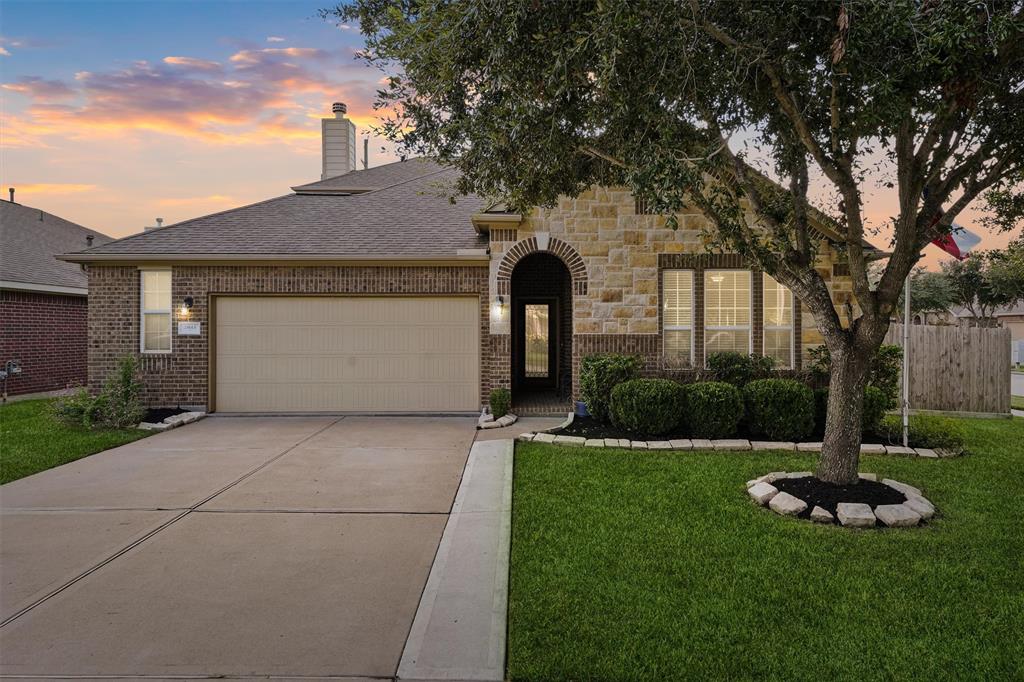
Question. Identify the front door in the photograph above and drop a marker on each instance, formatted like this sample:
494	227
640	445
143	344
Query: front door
535	362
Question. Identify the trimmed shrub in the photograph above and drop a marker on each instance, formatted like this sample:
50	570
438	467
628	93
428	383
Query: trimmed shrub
599	374
713	409
875	405
884	373
650	407
779	409
925	431
500	402
738	369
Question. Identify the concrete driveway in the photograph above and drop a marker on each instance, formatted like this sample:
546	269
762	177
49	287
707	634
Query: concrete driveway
242	547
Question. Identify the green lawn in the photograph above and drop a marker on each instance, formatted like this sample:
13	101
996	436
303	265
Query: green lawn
32	440
1017	402
647	565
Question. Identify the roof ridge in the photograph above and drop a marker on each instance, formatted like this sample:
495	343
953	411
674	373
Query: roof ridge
403	182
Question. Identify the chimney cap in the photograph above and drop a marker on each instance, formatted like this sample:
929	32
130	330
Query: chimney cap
339	108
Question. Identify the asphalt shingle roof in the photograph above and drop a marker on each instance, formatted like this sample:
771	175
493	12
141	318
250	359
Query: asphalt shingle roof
30	240
408	216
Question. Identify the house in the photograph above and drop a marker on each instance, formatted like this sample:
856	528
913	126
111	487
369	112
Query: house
43	301
369	291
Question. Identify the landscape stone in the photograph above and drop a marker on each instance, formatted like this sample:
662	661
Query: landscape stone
659	445
574	441
638	444
920	505
902	487
899	450
808	447
616	442
594	443
872	449
771	445
155	426
702	444
752	482
545	437
868	477
927	452
683	444
798	474
787	504
855	515
731	444
772	477
896	515
526	436
819	515
762	493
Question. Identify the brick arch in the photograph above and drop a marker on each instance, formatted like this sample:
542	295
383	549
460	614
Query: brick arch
568	255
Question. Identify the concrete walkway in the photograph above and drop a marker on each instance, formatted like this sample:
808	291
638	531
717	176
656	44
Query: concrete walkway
239	547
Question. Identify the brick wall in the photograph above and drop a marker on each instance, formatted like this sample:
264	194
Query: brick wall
47	332
181	377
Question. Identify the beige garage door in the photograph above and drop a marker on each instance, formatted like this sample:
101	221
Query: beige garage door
341	354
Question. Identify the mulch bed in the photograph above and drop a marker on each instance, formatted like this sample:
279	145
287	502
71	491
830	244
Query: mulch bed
588	427
828	495
157	415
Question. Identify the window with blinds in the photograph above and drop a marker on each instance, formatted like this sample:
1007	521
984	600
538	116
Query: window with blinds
778	323
727	311
677	317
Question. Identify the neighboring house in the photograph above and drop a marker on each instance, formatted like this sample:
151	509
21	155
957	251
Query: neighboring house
370	291
43	301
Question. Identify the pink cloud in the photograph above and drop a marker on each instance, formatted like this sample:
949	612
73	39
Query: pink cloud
193	63
40	88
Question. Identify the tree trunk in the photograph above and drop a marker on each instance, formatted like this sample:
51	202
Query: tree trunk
840	450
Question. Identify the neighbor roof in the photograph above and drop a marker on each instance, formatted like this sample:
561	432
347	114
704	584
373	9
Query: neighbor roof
401	212
30	240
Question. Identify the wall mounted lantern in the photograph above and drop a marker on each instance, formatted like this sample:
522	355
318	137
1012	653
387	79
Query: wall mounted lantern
186	307
498	308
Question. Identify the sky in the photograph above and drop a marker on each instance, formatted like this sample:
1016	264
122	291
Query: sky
115	113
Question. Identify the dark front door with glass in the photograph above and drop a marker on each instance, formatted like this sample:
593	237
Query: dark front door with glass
535	325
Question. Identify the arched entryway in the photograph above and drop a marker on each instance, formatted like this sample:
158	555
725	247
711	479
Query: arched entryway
541	307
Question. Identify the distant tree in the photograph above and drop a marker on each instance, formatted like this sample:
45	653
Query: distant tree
988	280
930	292
533	100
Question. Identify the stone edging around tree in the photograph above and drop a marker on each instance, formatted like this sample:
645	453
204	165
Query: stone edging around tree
732	444
915	510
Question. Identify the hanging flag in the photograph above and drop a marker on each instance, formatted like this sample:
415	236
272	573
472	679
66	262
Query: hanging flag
958	242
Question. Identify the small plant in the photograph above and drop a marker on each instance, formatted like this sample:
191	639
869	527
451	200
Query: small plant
875	405
738	369
599	374
118	405
713	409
884	373
80	409
651	407
925	431
779	409
500	402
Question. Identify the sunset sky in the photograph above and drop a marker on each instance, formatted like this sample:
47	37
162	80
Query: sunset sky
115	113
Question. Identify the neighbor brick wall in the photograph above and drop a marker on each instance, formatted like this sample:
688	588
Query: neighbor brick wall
181	377
47	332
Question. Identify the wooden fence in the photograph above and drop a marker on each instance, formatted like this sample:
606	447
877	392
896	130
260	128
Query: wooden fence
957	369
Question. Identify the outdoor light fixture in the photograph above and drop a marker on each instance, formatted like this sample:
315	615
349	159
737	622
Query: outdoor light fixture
498	308
186	307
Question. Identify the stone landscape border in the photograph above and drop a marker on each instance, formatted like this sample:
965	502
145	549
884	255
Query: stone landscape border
487	421
915	510
731	444
174	421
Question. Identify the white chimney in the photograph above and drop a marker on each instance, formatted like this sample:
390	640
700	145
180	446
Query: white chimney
339	143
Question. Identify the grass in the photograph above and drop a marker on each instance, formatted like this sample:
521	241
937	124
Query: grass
31	440
646	565
1017	402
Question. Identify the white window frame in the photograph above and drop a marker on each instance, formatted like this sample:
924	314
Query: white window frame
693	312
792	322
143	311
749	326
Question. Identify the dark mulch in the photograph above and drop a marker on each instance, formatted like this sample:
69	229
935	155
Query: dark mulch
588	427
157	415
828	495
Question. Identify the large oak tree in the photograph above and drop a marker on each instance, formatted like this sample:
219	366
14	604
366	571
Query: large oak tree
680	99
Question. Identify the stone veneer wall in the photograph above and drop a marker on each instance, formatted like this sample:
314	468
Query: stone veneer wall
181	377
618	309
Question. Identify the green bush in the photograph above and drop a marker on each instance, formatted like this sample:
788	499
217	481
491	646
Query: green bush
875	405
712	409
884	373
500	402
925	431
779	409
118	405
599	374
738	369
650	407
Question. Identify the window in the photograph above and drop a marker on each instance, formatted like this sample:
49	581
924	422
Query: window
726	311
677	317
156	311
778	323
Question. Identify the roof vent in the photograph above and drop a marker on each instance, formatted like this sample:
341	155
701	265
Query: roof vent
11	190
88	241
339	109
159	224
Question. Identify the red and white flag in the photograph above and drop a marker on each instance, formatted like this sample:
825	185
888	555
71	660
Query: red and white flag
958	243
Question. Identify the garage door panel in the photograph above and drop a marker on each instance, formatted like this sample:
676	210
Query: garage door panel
372	354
